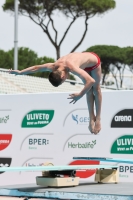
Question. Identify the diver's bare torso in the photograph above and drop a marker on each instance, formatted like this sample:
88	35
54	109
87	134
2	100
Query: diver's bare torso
81	60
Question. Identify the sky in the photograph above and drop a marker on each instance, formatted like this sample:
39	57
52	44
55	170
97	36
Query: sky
115	27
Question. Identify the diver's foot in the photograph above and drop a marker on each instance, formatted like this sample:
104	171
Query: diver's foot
92	125
97	126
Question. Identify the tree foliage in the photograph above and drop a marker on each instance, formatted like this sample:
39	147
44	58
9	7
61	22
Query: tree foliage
114	60
6	60
129	57
42	13
26	58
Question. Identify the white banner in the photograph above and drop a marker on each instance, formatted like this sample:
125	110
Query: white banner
36	128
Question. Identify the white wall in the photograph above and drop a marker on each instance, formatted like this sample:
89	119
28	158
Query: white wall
66	135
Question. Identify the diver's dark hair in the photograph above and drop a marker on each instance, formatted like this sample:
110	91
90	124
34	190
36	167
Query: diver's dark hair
55	78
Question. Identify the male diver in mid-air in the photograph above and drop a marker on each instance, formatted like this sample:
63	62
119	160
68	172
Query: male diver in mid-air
87	66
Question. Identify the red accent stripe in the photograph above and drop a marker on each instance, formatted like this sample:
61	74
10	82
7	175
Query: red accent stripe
88	69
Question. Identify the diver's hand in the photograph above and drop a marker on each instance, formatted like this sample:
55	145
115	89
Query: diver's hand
75	97
16	72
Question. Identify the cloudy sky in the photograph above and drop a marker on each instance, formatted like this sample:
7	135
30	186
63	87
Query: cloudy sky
113	28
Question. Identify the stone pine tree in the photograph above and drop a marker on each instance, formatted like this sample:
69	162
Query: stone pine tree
114	60
42	13
26	58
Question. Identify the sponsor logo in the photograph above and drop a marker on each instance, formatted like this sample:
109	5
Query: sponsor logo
33	165
5	140
81	120
79	141
35	142
76	118
79	145
125	171
5	162
37	118
28	164
123	145
123	119
3	120
36	162
38	141
85	173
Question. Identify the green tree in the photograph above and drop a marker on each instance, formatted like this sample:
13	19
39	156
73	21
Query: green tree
129	57
26	58
113	59
42	13
6	60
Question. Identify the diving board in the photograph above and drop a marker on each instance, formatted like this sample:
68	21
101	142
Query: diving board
104	159
56	168
58	176
106	175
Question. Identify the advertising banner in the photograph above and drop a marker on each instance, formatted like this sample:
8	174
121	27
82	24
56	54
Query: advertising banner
40	128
